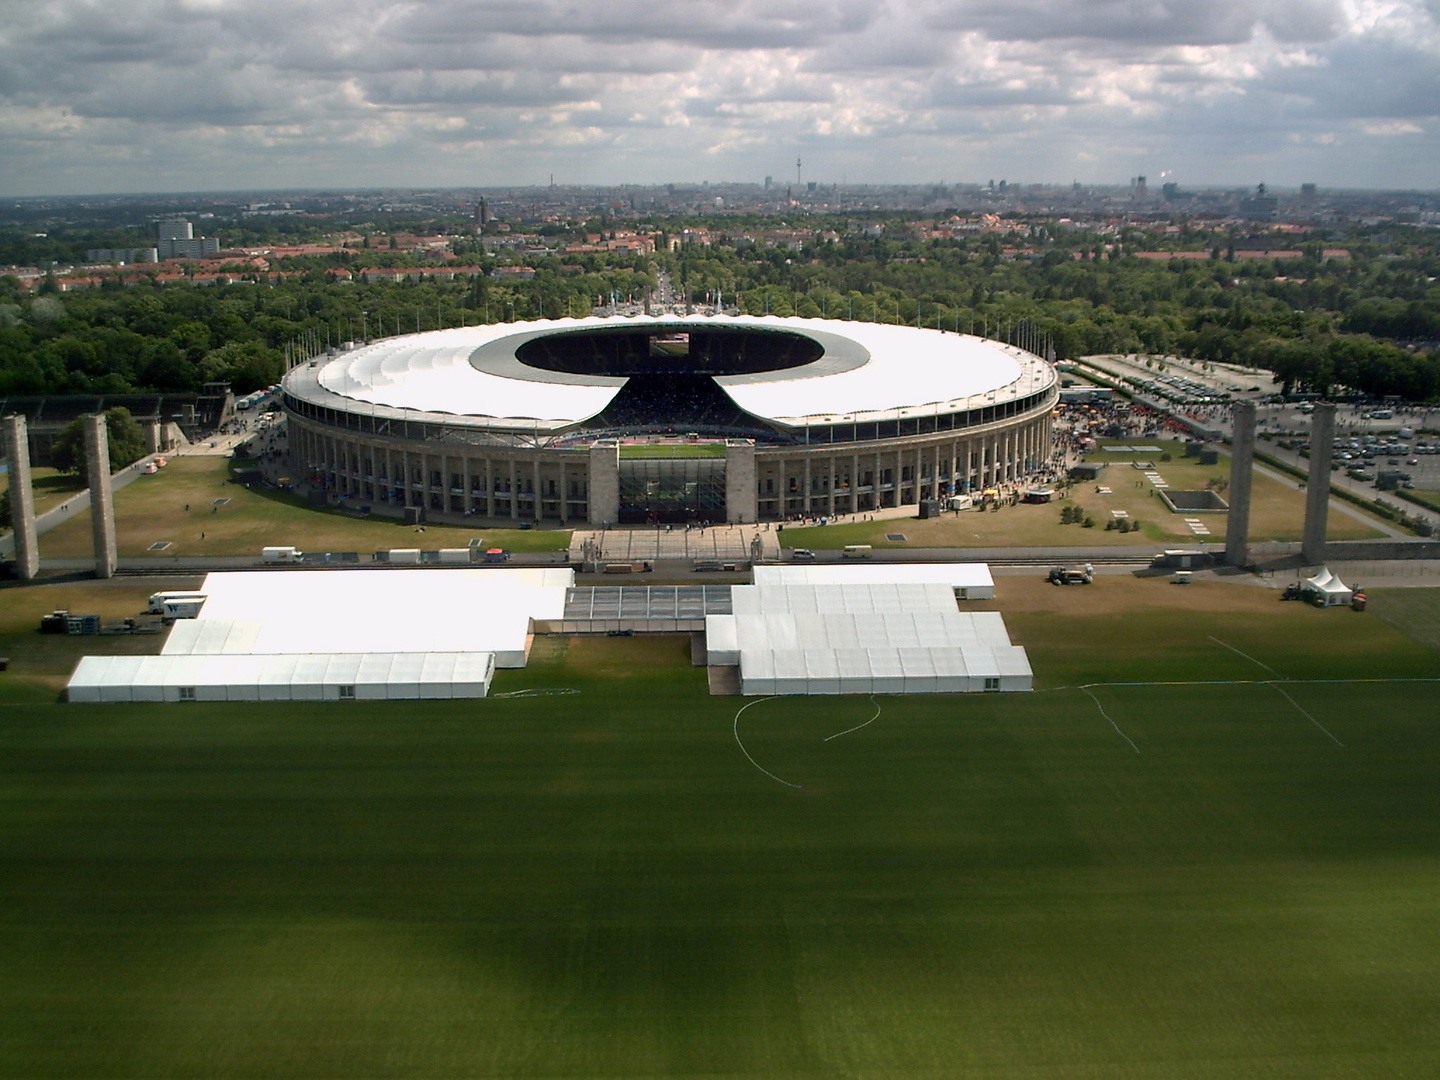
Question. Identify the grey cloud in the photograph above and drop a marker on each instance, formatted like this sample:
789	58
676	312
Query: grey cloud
744	24
1367	80
309	88
1172	22
471	88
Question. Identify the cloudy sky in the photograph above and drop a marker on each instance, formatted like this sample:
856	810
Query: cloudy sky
166	95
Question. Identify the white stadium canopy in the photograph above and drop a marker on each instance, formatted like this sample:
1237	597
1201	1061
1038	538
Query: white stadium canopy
889	371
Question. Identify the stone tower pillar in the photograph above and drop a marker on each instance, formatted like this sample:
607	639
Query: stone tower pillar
22	499
102	502
603	484
1242	463
1317	492
742	502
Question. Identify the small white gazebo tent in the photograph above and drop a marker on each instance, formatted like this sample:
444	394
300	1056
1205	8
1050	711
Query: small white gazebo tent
1329	589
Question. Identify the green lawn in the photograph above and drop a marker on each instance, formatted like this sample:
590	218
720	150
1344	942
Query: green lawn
50	486
673	450
602	885
178	505
1277	513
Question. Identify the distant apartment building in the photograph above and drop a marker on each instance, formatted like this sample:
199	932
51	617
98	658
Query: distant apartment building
122	255
176	239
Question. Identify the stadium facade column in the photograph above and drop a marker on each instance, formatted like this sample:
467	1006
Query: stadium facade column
563	493
102	502
741	499
514	490
1242	464
603	480
805	500
538	504
22	498
830	491
1317	491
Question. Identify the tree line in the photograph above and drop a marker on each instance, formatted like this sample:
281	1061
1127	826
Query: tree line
1368	322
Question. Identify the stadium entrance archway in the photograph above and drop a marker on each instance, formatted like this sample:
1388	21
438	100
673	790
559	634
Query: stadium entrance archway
672	490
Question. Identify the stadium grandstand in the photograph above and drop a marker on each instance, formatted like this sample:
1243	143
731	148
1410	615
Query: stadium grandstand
667	419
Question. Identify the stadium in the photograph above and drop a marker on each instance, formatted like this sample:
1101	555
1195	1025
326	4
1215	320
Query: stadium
667	419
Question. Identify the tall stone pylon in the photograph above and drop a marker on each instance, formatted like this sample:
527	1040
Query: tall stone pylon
1317	492
102	501
1242	466
22	499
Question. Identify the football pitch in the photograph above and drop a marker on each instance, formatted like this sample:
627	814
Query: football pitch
1208	846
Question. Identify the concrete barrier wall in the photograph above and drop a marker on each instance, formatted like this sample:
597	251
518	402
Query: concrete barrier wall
1338	550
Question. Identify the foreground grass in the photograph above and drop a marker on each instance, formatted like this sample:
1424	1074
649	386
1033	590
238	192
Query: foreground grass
178	505
601	884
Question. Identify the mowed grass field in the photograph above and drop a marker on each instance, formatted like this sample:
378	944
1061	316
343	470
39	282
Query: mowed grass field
601	884
153	509
51	487
1277	513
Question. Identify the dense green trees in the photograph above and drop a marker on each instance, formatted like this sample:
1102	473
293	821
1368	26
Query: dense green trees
126	443
1368	321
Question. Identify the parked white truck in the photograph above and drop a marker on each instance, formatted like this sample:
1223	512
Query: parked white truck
157	600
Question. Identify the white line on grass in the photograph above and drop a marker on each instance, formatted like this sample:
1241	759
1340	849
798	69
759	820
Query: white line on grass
1247	656
1112	722
757	765
857	727
1312	719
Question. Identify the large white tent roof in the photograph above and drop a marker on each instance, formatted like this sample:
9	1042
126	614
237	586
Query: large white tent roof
973	578
372	611
841	597
880	637
312	677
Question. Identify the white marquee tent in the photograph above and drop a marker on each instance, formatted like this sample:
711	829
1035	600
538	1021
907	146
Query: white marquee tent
312	677
892	638
971	581
339	635
1330	589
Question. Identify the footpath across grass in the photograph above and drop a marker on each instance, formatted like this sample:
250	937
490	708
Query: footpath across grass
1199	881
194	506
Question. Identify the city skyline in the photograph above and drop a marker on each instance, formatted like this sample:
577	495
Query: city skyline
213	95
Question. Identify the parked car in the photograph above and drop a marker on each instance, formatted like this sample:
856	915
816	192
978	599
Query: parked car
802	555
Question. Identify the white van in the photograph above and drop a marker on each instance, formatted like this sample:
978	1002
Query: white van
856	551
